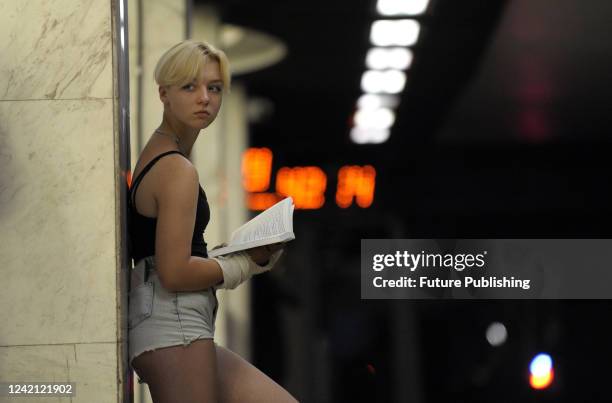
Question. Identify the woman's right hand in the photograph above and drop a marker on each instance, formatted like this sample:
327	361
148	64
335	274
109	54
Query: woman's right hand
239	267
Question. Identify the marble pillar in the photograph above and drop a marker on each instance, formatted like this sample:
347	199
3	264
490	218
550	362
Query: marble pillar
60	244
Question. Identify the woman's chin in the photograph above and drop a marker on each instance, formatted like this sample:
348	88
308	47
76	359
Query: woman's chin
198	125
204	125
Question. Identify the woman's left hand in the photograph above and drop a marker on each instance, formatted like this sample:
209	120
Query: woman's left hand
261	254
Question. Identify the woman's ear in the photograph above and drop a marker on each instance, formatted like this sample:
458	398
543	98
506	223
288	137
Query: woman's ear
163	94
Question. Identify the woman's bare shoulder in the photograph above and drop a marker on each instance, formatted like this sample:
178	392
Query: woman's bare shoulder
169	171
175	168
150	152
176	184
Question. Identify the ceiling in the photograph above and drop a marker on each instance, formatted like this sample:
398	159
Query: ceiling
545	77
315	88
503	103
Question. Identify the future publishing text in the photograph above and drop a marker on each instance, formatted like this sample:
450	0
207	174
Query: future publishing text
437	264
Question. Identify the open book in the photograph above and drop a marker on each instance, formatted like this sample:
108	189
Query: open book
273	225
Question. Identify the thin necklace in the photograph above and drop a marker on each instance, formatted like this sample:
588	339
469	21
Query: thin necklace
172	136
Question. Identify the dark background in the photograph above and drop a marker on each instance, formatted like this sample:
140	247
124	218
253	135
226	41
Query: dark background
503	131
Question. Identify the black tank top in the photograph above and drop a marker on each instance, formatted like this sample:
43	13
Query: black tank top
142	228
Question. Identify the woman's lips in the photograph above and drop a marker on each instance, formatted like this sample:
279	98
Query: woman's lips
202	114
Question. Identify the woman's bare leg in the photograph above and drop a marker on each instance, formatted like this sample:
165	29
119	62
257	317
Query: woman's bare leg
185	374
241	382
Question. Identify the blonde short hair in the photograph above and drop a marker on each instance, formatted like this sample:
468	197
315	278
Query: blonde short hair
181	64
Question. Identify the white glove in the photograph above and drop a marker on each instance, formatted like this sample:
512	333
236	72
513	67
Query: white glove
239	267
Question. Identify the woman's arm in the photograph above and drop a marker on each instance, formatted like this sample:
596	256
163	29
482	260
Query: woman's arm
176	193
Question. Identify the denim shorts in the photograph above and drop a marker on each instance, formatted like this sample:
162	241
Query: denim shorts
158	318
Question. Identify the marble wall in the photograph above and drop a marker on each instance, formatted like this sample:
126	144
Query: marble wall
154	26
58	205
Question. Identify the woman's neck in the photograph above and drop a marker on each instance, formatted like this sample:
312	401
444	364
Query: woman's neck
186	135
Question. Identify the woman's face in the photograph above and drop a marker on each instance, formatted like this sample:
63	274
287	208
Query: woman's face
196	104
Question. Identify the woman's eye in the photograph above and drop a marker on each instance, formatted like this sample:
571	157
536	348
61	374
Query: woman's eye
189	87
215	88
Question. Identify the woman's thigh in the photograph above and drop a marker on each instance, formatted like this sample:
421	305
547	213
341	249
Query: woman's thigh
185	374
241	382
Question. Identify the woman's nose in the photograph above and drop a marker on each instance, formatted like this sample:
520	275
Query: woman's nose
204	96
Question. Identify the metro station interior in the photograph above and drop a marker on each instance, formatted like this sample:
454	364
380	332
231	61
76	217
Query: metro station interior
494	125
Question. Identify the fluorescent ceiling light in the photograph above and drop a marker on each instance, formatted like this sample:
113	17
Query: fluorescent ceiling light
389	58
363	136
386	81
381	118
375	101
394	32
401	7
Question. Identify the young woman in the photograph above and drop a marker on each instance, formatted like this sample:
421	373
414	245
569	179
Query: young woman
172	303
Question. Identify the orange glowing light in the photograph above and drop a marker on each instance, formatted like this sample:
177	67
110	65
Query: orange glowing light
541	381
256	169
261	201
128	178
358	182
305	184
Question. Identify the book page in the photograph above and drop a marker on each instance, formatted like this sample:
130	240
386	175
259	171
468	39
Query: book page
266	225
274	225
